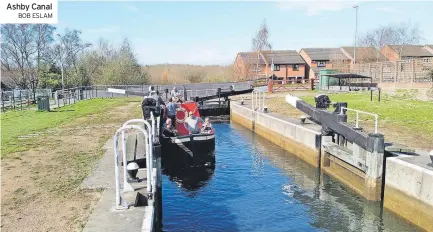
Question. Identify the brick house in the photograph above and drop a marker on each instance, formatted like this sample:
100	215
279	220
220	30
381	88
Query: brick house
364	54
407	52
321	58
429	47
288	65
249	65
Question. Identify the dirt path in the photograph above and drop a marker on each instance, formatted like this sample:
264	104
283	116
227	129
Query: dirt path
39	187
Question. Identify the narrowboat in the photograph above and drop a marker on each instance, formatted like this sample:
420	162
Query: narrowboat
185	149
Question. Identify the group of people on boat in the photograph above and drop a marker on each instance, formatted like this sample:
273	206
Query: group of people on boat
191	122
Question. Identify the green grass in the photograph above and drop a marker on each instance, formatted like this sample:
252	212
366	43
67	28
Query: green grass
19	123
412	115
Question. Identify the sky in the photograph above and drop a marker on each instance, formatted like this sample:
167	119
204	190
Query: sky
206	33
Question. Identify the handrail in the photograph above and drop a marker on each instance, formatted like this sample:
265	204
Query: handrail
376	117
119	202
149	150
152	118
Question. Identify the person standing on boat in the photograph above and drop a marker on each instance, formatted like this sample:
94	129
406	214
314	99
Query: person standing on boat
171	108
175	94
154	94
169	130
191	123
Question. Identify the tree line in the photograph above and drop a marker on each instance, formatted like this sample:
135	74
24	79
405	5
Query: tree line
38	56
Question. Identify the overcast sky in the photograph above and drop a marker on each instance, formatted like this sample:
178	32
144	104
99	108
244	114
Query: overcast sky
214	32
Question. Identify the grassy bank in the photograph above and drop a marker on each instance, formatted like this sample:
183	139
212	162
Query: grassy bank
21	123
55	162
401	120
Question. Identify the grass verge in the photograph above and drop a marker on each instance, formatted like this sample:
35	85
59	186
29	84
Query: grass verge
21	123
406	121
50	173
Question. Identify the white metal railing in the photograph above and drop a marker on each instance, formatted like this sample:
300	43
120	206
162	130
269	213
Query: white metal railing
376	117
152	118
258	100
200	92
148	134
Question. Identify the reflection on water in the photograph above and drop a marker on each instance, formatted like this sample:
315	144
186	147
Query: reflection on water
190	179
257	186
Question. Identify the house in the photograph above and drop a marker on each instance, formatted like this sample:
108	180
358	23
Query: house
429	47
407	52
288	65
321	58
249	65
364	54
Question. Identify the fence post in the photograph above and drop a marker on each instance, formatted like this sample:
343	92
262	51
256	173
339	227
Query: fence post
413	73
3	102
21	101
96	90
381	72
57	99
13	99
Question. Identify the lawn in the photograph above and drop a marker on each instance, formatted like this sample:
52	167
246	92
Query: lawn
20	123
47	169
407	121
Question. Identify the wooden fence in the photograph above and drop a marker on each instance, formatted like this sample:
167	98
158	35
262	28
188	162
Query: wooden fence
414	71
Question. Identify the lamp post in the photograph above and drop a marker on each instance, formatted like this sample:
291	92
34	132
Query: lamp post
356	31
61	62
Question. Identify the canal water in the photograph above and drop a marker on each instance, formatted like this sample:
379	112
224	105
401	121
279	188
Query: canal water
257	186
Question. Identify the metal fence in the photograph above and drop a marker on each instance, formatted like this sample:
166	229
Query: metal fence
23	99
19	99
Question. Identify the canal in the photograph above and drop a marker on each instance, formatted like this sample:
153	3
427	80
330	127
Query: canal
257	186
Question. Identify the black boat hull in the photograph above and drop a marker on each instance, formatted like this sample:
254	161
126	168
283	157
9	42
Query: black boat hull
188	151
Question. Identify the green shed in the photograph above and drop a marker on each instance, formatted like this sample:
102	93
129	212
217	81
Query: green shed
323	79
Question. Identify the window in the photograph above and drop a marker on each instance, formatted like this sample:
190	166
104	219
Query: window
276	67
295	67
321	63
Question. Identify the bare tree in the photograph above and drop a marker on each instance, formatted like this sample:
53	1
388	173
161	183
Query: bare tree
260	42
403	34
24	47
66	52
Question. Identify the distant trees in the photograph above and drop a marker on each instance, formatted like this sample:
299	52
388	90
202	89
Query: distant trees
24	49
36	55
65	53
402	34
194	76
109	65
